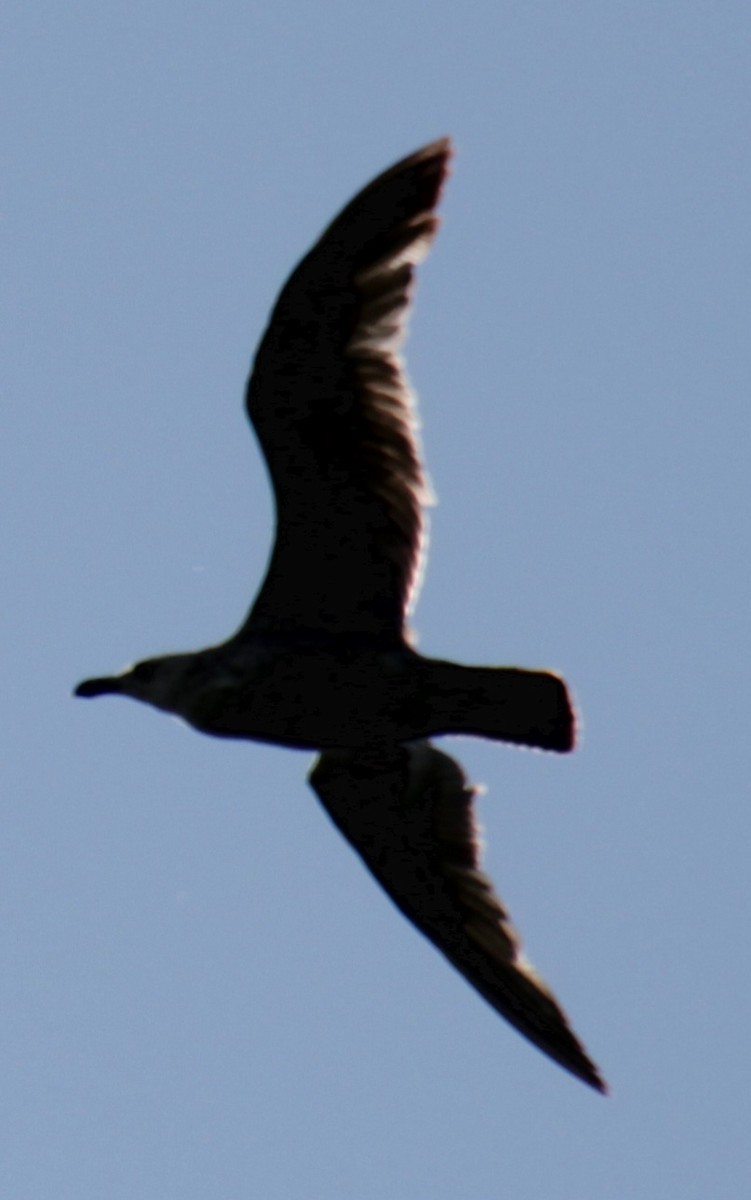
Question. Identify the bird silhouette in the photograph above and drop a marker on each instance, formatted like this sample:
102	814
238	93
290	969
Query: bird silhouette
325	658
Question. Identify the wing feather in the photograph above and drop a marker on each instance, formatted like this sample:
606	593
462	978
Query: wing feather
409	814
332	409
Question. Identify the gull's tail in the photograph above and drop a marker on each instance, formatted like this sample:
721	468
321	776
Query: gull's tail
529	708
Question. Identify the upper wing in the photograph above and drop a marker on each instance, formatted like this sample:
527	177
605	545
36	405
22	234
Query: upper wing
409	815
332	409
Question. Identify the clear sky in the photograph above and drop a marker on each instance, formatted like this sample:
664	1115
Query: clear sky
203	994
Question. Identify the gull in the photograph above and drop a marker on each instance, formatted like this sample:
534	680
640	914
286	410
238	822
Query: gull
325	659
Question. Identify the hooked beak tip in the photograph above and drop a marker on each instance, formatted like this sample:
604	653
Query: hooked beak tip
97	687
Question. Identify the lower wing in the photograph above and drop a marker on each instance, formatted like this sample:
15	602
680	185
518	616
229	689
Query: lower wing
408	812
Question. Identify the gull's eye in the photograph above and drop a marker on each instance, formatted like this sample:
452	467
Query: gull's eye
144	672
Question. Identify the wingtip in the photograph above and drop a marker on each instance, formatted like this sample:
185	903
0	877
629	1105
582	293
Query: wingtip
442	151
435	158
599	1085
442	147
589	1074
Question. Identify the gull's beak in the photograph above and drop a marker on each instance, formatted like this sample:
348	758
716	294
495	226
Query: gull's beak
99	687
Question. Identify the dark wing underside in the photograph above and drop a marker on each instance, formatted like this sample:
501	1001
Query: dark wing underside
409	815
331	407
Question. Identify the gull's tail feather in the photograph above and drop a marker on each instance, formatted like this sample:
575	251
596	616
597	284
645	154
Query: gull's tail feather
529	708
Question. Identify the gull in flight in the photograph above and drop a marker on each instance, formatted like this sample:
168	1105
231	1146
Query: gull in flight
324	660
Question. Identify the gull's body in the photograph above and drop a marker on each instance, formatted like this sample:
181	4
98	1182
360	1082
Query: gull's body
324	660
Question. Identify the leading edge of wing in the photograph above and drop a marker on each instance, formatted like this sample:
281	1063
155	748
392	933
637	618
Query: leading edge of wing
333	412
408	812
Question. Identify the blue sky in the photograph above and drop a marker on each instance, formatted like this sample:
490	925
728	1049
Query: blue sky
203	993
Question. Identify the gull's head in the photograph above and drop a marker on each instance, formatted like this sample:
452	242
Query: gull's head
163	682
